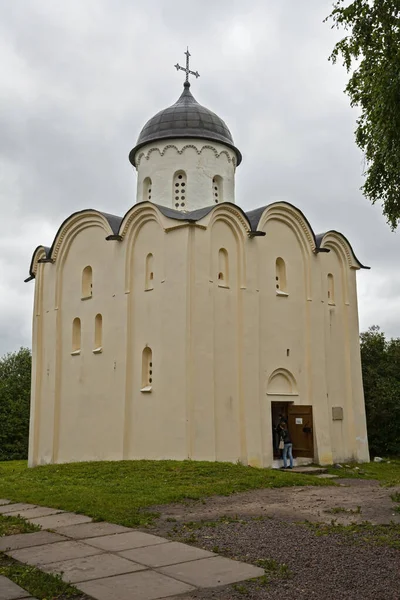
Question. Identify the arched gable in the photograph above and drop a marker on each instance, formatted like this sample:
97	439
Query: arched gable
40	253
334	240
65	236
289	214
296	221
238	224
73	225
132	223
281	382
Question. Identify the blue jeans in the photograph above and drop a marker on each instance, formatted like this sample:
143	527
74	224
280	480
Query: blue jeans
287	451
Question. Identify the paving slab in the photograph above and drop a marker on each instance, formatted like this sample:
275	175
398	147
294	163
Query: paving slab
92	567
4	501
91	530
49	553
144	585
32	513
15	507
10	590
212	572
327	476
125	541
27	540
61	520
162	555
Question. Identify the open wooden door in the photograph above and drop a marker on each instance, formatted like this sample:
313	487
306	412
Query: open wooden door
300	424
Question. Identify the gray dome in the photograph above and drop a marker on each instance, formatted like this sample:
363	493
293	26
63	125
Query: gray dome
185	119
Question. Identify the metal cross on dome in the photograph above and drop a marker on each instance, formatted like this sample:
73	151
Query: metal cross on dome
187	70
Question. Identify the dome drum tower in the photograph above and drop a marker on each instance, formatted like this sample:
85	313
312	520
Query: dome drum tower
185	157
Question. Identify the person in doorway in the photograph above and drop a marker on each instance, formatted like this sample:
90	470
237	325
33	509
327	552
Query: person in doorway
287	445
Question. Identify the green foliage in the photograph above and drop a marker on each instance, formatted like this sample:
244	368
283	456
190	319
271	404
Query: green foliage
119	492
15	382
371	49
13	525
381	377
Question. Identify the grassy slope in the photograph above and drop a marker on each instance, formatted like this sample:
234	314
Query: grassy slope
388	473
117	491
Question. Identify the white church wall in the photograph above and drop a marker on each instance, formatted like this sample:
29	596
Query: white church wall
361	449
207	306
41	438
88	404
156	418
198	162
343	362
227	340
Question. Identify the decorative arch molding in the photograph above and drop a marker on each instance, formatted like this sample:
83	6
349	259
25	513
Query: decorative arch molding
132	224
139	212
287	214
66	236
339	244
282	382
40	254
146	155
290	215
233	218
73	225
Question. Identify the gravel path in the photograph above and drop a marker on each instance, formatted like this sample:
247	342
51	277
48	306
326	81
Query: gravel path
327	567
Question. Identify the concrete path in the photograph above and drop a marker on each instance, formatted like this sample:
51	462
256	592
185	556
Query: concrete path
111	562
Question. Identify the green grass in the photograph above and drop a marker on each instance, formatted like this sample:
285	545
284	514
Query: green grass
13	525
41	585
358	533
119	491
340	509
388	473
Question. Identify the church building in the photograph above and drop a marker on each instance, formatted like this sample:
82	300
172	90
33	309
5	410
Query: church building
186	328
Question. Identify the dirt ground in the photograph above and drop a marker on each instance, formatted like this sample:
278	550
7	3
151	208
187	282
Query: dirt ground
268	526
294	504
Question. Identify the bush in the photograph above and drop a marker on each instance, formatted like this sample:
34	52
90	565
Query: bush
381	377
15	383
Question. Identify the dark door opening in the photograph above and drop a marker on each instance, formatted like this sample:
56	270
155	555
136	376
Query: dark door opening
279	411
299	419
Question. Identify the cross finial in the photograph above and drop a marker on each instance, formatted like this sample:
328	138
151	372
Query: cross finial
187	70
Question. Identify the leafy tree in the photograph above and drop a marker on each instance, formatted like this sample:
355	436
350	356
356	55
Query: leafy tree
371	49
380	360
15	382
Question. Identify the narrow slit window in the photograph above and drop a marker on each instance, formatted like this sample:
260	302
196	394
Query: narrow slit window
149	272
223	268
87	283
147	189
98	334
331	289
179	190
76	336
147	370
217	189
280	277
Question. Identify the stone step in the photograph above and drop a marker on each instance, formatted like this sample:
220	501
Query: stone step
308	470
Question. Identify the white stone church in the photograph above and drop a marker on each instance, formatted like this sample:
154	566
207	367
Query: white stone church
186	327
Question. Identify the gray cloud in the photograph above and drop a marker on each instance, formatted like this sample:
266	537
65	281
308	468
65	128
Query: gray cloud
81	78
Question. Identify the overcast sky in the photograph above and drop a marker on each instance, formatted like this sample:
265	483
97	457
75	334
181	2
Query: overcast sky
79	79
